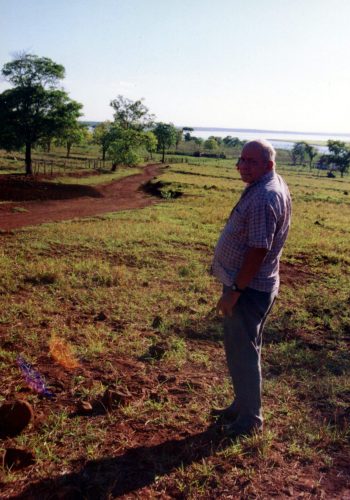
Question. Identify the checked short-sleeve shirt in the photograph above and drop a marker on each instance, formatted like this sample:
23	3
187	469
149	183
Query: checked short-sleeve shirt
261	219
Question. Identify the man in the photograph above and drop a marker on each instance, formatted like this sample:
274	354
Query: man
246	261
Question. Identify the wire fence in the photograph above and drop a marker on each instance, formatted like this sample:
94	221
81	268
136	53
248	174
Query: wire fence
51	167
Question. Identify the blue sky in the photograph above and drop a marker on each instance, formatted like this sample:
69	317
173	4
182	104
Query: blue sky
271	64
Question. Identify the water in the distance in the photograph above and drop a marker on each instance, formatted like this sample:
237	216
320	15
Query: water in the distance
279	139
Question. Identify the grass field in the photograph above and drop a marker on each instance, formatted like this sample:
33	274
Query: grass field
130	293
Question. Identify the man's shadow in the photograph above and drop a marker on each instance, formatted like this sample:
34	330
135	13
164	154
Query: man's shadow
134	469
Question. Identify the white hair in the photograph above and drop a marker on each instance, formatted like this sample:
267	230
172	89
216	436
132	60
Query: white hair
268	151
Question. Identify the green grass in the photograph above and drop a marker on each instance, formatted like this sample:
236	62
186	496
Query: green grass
101	177
147	272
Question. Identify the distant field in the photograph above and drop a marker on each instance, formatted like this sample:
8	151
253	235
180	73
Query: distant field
131	294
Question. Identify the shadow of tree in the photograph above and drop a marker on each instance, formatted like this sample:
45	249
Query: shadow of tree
134	469
31	190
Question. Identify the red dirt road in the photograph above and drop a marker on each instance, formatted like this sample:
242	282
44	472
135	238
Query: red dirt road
48	202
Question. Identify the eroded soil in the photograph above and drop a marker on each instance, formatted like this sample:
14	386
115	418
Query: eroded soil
32	202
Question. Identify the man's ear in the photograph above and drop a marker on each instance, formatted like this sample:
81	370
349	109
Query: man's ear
270	165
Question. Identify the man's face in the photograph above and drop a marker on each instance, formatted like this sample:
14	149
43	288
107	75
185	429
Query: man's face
252	165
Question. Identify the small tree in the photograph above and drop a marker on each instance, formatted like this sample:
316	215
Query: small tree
211	144
102	136
76	133
127	134
127	144
150	142
131	114
218	139
179	136
187	131
311	153
298	153
339	155
35	108
166	136
232	141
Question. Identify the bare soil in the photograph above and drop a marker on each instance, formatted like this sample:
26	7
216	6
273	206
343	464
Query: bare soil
36	201
142	453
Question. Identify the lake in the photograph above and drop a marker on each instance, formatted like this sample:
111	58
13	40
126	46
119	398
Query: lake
279	139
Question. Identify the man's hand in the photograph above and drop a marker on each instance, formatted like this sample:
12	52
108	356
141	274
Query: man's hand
227	302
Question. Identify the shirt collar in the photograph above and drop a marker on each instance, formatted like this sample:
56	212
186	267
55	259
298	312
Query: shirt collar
263	180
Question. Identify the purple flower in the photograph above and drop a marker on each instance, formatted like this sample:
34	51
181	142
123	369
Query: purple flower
33	378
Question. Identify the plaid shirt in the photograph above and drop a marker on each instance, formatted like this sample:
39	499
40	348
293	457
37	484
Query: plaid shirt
261	219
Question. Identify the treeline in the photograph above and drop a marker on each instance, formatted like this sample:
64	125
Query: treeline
337	158
37	112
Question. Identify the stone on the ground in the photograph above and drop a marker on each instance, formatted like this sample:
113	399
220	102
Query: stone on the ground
17	458
14	417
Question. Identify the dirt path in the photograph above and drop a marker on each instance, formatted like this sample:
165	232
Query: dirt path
48	202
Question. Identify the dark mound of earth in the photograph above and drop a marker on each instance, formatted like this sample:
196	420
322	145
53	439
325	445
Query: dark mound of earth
14	417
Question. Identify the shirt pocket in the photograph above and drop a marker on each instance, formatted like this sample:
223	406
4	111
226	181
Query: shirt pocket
238	223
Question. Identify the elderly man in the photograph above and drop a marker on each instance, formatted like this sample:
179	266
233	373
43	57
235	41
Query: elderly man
246	261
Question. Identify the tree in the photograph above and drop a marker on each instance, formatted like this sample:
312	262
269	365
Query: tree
150	142
211	144
166	136
217	139
187	131
179	135
311	153
70	135
298	153
35	108
339	155
198	141
126	145
127	135
131	114
102	136
232	141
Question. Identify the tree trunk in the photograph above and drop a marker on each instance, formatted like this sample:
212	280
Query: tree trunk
68	149
163	154
103	154
28	160
114	167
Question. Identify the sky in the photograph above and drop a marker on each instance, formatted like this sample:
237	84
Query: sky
258	64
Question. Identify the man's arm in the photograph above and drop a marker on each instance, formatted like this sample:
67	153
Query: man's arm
252	262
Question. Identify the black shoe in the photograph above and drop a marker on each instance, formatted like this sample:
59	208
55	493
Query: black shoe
238	429
224	413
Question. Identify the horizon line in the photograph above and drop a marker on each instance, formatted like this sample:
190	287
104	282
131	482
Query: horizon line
271	131
268	130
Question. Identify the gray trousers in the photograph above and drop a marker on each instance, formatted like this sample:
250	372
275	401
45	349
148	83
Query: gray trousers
243	338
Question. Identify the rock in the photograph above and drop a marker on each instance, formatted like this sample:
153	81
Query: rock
101	316
113	398
17	458
14	417
166	378
84	408
157	322
158	351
